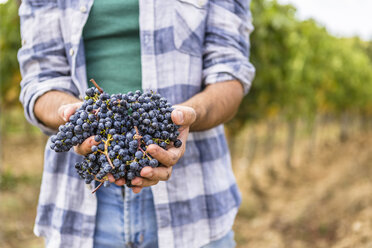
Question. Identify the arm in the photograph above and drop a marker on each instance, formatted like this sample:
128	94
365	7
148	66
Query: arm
216	104
55	107
43	65
226	69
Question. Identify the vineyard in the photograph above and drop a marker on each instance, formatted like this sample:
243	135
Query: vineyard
301	141
322	200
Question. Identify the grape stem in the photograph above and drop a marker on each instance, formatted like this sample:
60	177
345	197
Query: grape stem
117	101
109	138
138	137
95	84
101	181
145	153
99	186
96	111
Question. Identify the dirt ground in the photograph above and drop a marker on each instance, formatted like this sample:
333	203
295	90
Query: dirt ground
321	201
19	189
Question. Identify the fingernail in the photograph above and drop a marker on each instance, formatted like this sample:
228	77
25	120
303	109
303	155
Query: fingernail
179	115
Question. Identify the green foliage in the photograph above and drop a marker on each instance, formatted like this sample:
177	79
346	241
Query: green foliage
9	181
10	42
303	70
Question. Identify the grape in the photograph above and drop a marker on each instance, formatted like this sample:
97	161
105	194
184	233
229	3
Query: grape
177	143
123	125
138	154
153	163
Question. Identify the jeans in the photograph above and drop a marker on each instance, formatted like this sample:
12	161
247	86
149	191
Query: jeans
138	229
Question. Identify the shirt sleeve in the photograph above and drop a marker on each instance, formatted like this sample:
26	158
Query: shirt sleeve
226	43
42	57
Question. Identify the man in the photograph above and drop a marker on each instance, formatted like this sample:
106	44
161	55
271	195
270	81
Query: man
193	52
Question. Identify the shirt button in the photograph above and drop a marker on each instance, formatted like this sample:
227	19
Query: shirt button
83	9
71	51
147	38
23	42
201	3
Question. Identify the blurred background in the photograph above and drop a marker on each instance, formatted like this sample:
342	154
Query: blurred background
300	144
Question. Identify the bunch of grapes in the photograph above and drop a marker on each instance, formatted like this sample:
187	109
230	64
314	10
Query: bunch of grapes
124	125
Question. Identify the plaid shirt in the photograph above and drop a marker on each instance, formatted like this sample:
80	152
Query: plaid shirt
185	45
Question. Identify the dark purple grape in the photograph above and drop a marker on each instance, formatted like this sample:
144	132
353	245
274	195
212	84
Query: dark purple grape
124	125
177	143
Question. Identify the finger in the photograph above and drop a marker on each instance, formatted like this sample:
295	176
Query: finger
110	178
184	133
151	176
183	115
136	190
166	157
120	182
143	182
160	173
86	147
172	155
65	111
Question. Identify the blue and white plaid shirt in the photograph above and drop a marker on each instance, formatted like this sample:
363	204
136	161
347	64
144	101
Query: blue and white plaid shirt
185	45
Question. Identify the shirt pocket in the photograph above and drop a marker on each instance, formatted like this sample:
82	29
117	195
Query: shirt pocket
189	26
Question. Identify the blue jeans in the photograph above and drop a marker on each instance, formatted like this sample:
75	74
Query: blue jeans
138	229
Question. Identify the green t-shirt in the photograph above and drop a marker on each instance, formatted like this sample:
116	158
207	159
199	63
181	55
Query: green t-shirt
112	45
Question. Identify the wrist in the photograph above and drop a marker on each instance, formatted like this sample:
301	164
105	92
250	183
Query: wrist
47	105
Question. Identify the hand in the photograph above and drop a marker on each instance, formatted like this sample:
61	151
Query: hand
65	112
183	116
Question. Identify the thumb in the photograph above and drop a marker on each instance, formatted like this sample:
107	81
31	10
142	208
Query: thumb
65	111
184	116
86	147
